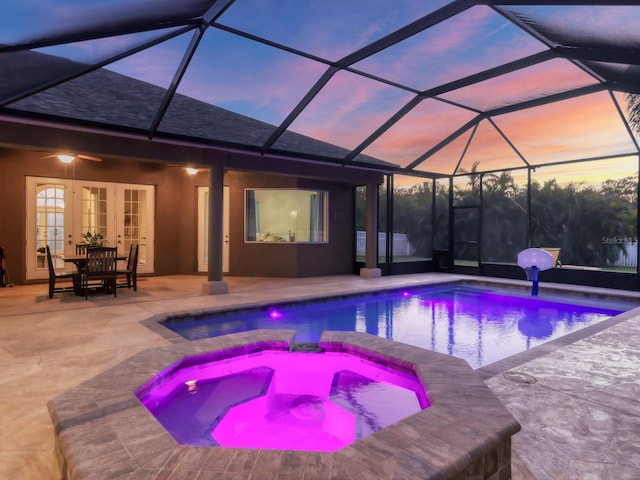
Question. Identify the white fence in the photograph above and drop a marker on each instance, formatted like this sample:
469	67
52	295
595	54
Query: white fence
630	259
401	245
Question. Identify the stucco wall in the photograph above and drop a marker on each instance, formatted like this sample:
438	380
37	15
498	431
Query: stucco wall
291	259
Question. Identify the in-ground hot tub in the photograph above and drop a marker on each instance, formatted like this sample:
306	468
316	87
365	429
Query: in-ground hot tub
102	430
288	400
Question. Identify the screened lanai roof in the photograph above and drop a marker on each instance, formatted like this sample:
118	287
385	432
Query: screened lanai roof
411	86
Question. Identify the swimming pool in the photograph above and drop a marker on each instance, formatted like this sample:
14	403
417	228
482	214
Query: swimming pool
481	325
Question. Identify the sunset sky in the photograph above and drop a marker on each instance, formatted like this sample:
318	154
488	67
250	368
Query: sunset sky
266	83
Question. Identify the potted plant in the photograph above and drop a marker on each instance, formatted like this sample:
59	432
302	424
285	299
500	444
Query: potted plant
93	239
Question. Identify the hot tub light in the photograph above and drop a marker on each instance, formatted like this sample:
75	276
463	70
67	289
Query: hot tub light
405	294
275	314
192	386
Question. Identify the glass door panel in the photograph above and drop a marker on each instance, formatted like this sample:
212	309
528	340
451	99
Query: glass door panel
134	223
203	229
50	217
94	211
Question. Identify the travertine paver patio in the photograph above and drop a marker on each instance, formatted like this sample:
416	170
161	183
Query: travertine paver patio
580	419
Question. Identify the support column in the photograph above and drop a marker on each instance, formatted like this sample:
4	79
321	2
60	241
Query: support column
215	285
371	269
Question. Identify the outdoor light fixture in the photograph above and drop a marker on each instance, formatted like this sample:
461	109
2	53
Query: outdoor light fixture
192	386
65	157
191	170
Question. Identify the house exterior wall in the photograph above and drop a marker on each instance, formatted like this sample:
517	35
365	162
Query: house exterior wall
13	211
176	216
291	259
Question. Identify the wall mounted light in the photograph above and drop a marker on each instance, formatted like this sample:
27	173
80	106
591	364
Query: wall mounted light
191	170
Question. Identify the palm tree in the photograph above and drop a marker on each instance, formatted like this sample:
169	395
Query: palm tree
505	218
412	216
633	110
579	219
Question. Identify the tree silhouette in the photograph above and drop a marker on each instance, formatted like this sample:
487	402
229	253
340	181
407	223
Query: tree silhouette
590	223
633	110
505	218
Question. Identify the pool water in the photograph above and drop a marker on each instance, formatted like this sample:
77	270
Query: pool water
479	325
282	400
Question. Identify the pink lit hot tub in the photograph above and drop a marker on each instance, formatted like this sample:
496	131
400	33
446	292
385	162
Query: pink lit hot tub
275	399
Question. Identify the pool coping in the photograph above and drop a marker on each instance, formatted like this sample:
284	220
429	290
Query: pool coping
103	431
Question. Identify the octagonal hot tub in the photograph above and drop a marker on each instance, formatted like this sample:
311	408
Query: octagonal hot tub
104	431
289	400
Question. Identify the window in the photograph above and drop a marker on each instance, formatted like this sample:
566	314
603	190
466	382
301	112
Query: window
284	215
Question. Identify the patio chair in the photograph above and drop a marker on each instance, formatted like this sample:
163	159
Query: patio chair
55	276
101	265
131	271
81	248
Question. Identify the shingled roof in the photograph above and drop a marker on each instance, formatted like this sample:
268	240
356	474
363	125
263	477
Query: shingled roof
108	98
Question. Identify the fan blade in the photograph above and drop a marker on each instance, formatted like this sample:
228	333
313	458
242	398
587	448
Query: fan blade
89	157
63	157
71	156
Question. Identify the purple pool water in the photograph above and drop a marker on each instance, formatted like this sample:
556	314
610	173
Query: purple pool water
480	325
283	400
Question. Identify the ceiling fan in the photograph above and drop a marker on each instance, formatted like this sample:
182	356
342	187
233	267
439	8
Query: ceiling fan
189	168
70	157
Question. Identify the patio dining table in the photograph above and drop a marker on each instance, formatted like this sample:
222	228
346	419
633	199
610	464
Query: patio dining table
80	261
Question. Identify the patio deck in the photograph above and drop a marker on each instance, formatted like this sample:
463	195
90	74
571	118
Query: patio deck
580	419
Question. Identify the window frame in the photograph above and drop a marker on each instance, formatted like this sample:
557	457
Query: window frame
292	235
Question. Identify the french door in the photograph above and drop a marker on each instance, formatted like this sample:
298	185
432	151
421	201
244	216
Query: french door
203	229
59	211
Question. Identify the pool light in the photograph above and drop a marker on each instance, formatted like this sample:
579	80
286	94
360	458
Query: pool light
192	386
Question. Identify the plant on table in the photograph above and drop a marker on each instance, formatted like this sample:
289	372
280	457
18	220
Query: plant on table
95	239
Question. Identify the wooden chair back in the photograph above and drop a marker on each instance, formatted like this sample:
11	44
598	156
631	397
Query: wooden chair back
53	276
101	264
134	263
52	270
101	261
131	271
